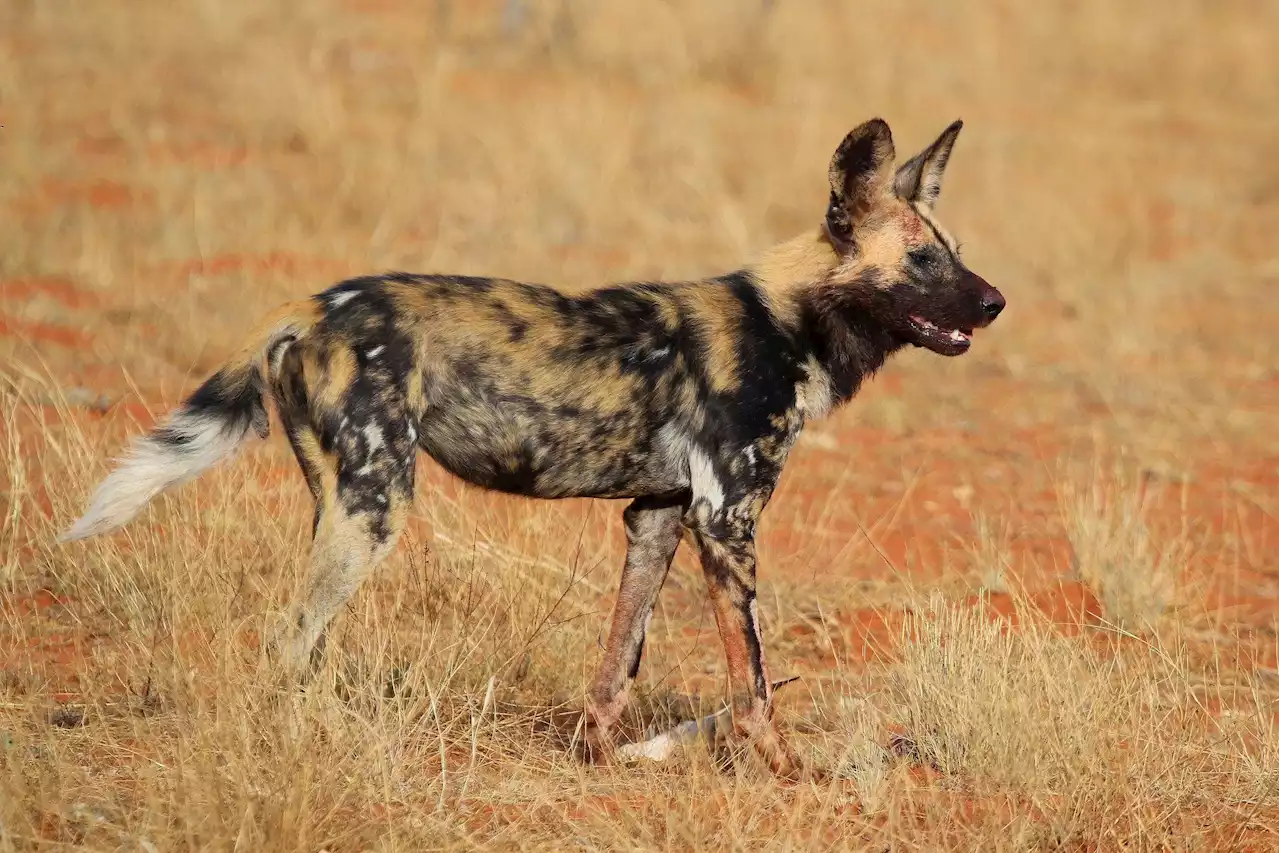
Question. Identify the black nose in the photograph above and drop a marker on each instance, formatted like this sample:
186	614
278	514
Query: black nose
992	304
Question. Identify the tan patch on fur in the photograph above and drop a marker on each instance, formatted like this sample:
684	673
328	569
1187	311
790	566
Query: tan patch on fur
415	396
321	464
912	227
881	247
925	214
813	396
398	513
730	625
670	312
328	383
791	266
301	315
720	317
605	715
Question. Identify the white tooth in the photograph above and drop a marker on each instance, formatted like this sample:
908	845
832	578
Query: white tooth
956	335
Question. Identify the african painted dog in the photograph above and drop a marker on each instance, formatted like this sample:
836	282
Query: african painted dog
683	397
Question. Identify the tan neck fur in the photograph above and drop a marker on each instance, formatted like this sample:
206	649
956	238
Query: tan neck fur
787	269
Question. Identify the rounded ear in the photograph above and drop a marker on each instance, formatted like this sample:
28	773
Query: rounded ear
920	178
861	171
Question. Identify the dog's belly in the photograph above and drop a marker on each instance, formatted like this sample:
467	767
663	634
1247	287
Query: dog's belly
552	452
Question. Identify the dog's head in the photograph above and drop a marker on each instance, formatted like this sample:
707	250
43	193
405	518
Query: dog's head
898	265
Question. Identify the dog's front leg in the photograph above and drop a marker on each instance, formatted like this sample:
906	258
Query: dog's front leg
653	535
729	563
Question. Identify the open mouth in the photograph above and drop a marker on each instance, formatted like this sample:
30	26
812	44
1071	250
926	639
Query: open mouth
942	341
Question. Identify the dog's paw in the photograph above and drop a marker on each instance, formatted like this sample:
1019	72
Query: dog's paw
596	748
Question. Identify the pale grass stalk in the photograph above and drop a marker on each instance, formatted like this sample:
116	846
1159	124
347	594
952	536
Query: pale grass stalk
1134	574
990	554
978	699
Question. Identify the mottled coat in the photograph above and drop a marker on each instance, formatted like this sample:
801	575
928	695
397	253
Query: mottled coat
684	397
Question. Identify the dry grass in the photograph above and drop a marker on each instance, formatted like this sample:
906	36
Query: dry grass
1134	573
1108	745
175	170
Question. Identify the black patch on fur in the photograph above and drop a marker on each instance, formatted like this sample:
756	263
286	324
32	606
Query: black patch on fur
232	397
293	406
519	474
839	225
769	362
927	259
854	160
368	432
851	330
634	669
473	283
613	321
755	654
439	284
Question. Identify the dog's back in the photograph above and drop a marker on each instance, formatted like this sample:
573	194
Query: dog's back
525	389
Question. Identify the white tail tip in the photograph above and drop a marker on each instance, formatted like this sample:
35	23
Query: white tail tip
188	446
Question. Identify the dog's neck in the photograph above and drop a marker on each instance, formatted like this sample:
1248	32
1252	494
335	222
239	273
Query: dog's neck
845	337
834	324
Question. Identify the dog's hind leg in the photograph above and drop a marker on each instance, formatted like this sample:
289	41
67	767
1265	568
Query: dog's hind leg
349	544
359	466
654	529
360	513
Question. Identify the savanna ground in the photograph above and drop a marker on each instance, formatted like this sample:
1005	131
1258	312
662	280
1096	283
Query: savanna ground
1031	593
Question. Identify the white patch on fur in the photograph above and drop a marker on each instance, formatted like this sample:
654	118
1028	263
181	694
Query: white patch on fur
373	435
340	299
681	451
813	396
673	440
277	355
150	467
754	610
675	449
750	452
703	480
413	433
373	353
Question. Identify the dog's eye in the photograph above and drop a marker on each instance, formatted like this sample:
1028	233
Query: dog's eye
922	258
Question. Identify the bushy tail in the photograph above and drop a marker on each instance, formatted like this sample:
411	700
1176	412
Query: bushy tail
209	427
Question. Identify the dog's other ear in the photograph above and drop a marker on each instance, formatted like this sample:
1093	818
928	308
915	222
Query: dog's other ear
861	172
920	178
